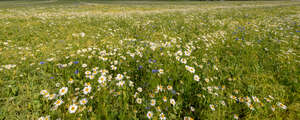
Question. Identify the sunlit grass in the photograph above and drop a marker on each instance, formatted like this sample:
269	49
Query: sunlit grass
141	60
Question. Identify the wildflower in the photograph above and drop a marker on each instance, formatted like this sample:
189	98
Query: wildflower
233	97
102	79
47	117
196	78
159	88
268	100
183	61
52	96
91	77
158	109
151	95
82	34
169	87
255	99
188	118
187	53
273	107
250	106
140	67
149	115
113	67
165	99
84	65
248	99
76	72
131	84
140	89
161	71
139	100
63	91
94	72
87	90
154	71
121	83
119	77
153	102
135	94
58	102
206	80
70	81
212	107
41	118
95	69
43	92
190	69
223	102
73	108
88	72
83	101
235	116
281	105
172	101
87	84
57	84
162	116
192	109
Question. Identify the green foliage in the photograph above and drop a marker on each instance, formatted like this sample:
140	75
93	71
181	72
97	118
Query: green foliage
187	60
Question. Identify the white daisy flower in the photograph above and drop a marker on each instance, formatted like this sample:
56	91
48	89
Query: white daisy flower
162	116
119	77
212	107
84	65
161	71
63	91
87	89
83	101
121	83
52	96
196	78
58	102
102	79
235	116
281	105
139	100
153	102
149	115
41	118
172	101
139	89
43	92
73	108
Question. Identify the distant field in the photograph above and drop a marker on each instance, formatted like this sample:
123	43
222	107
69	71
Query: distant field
149	60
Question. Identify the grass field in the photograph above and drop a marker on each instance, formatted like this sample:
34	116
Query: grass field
149	60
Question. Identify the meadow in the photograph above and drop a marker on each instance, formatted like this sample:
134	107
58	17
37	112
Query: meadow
97	60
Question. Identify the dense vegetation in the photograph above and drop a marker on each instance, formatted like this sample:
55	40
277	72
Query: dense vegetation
149	60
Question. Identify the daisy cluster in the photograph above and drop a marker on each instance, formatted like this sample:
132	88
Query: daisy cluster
151	88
